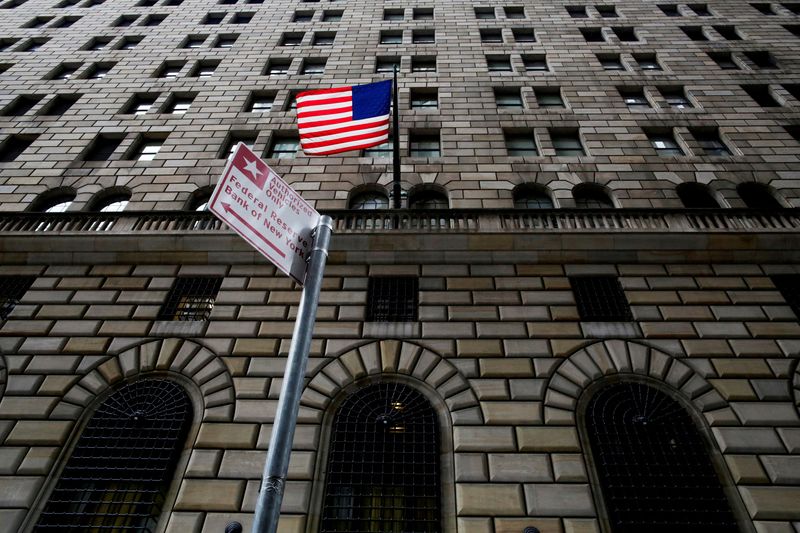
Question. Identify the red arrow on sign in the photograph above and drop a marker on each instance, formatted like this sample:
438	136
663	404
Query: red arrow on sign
229	209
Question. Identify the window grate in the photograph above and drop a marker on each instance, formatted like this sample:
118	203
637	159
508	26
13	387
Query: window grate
383	464
392	299
789	287
122	466
12	289
653	466
190	299
600	298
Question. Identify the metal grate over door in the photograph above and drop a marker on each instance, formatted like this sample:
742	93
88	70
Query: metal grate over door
121	468
654	470
383	464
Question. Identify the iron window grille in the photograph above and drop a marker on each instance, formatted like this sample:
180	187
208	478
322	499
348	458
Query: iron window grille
118	475
789	287
653	465
383	464
392	299
12	289
190	299
600	298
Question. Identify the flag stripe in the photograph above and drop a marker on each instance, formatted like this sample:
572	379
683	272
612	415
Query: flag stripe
337	138
327	132
322	125
346	147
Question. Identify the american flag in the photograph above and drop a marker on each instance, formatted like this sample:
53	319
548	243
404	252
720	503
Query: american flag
345	118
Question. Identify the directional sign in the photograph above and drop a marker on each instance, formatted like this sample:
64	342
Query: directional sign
258	205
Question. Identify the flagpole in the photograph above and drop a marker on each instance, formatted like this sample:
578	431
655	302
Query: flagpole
396	143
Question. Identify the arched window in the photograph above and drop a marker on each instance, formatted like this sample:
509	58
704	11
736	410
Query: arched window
652	463
122	466
54	201
383	464
199	200
369	200
428	199
757	196
591	196
111	201
532	197
696	196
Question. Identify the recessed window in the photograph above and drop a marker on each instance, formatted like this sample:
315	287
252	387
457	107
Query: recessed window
532	197
277	67
61	5
793	7
190	299
600	299
664	143
634	98
242	18
393	14
179	105
508	97
670	10
284	147
381	150
59	105
701	10
53	202
125	20
302	16
260	102
520	143
696	196
140	104
66	22
97	43
392	299
64	72
593	35
37	22
498	63
789	287
204	69
98	71
724	60
428	199
793	89
625	34
194	41
761	59
225	41
170	69
111	203
387	64
761	95
323	38
33	45
516	12
567	143
577	12
548	97
710	141
484	13
129	43
332	16
369	200
423	98
728	32
213	18
610	61
423	64
146	148
647	61
248	138
423	144
14	145
153	20
491	35
535	63
6	43
607	12
794	131
313	66
675	97
391	37
422	13
757	196
694	33
524	35
102	147
423	36
21	105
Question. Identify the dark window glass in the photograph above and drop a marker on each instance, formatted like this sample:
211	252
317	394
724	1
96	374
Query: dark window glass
524	35
102	147
302	16
664	143
600	298
122	466
534	63
383	464
514	12
696	196
498	63
762	59
647	61
757	196
284	147
789	287
625	34
694	33
423	36
392	299
567	143
12	289
634	98
577	12
592	35
589	196
676	98
520	144
20	105
728	32
724	60
59	105
234	138
764	9
635	424
701	10
428	200
484	13
610	61
670	10
710	142
424	144
508	97
369	200
549	97
794	29
242	18
423	98
387	64
190	299
491	35
422	13
761	95
532	197
793	7
260	102
14	145
423	64
393	14
607	11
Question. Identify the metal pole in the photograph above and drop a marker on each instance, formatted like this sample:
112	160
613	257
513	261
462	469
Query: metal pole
268	506
396	143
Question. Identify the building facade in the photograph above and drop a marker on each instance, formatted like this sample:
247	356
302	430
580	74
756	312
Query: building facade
583	319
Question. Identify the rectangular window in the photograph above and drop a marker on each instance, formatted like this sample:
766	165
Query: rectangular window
422	13
491	35
124	21
676	97
179	105
14	145
225	41
763	8
728	32
194	41
535	62
520	143
625	34
600	298
610	61
762	59
424	144
6	43
97	43
313	66
393	14
153	20
284	147
64	71
607	12
170	69
391	37
387	64
498	63
67	22
37	22
59	105
102	147
234	138
204	69
761	95
332	16
724	60
242	18
190	299
12	289
129	43
694	33
701	10
789	287
140	104
323	38
260	102
670	10
277	67
635	98
664	143
423	64
710	142
577	12
793	7
98	71
549	97
484	13
647	61
21	105
302	16
424	98
146	148
392	299
506	97
593	35
567	143
514	12
524	35
33	45
423	36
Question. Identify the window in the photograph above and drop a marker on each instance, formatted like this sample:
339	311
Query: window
98	71
59	105
111	203
484	13
97	43
701	10
5	66
33	45
213	18
225	41
794	131
424	144
260	102
179	105
694	33
246	137
428	199
567	143
491	35
422	13
696	196
125	20
610	61
190	299
153	20
524	35
514	12
392	299
302	16
170	69
591	196
675	97
793	7
14	146
391	37
129	43
764	9
625	34
761	95
284	147
332	16
593	35
277	67
140	104
393	14
194	41
761	59
390	478
424	98
64	72
369	200
313	66
520	143
634	98
53	201
21	105
498	63
204	69
647	61
549	97
600	299
423	36
607	12
506	97
793	89
728	32
242	18
37	22
381	150
664	143
577	12
757	196
789	287
535	63
724	60
6	43
387	64
423	64
66	22
670	10
532	197
710	142
102	147
635	424
323	38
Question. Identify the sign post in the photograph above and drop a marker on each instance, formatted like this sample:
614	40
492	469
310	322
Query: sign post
262	208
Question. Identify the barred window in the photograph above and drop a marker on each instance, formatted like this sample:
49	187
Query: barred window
600	298
383	464
392	299
190	299
12	289
789	287
653	465
118	475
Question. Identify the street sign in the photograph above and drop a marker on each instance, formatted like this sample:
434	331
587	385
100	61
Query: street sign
258	205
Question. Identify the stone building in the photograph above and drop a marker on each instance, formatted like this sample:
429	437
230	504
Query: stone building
583	319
